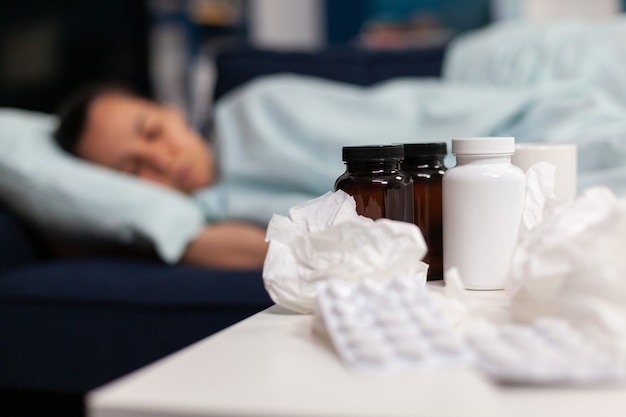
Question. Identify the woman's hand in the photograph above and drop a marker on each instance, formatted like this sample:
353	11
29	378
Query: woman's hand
233	245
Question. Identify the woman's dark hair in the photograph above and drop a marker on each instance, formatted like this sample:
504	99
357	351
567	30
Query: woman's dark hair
74	111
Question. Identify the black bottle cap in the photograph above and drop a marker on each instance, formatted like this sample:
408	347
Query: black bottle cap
373	153
425	149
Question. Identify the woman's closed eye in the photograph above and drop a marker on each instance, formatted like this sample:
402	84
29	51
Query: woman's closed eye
152	132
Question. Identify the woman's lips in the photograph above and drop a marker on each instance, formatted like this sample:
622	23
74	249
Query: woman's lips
183	175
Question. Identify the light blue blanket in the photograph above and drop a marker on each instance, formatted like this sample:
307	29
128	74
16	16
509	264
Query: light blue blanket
524	54
279	138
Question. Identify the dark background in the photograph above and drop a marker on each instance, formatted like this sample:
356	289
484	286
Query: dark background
49	47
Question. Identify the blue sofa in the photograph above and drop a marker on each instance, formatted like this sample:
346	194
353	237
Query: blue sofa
68	325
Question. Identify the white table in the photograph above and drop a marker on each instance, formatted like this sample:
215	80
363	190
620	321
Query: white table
272	364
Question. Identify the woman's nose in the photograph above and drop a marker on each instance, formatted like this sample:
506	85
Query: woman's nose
159	157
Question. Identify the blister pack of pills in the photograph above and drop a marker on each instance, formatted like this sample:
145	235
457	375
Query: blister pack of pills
398	325
547	352
392	325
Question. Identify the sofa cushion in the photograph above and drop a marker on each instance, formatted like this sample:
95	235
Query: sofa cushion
132	283
18	245
70	326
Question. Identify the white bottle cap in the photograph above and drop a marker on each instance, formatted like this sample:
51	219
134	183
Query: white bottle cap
483	146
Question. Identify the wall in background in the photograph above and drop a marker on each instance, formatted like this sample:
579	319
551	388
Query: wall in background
287	24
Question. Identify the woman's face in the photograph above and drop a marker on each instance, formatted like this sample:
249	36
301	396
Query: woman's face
146	139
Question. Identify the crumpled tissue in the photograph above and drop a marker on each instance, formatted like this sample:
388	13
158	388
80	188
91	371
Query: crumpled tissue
325	239
570	263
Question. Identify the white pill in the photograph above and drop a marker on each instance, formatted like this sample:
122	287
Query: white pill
400	331
344	309
392	317
429	324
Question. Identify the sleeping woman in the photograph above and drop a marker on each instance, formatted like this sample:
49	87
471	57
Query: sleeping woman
111	126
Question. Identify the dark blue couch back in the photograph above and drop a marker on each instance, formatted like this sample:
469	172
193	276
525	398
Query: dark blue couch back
350	64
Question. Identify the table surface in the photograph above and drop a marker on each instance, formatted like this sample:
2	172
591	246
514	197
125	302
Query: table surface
273	364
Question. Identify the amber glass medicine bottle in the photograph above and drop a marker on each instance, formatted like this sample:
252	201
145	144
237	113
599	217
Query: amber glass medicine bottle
424	162
376	181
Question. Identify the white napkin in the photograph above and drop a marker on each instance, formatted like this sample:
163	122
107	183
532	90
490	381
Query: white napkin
571	264
325	239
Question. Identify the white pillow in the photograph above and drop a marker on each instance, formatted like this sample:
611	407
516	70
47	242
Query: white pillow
67	197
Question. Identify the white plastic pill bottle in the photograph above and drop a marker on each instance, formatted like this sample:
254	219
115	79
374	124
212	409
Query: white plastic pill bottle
483	199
